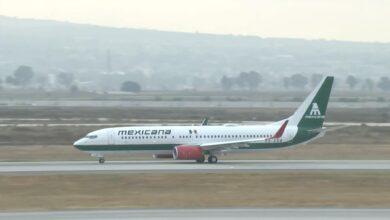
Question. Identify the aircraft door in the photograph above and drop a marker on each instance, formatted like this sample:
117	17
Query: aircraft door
110	137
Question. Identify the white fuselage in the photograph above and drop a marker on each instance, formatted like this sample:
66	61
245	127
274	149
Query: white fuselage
161	139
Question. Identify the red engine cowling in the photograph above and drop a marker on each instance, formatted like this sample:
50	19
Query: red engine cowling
183	152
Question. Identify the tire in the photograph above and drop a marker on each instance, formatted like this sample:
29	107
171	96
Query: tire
201	160
102	160
212	159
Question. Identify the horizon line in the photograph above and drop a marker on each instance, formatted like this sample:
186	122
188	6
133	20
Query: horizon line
195	32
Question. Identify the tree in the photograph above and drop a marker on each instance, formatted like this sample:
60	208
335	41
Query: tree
251	80
256	80
352	81
384	83
130	86
369	84
22	76
226	83
65	79
298	81
74	89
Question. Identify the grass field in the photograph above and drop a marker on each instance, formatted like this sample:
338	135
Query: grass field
165	114
280	189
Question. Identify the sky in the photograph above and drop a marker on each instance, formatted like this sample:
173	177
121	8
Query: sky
351	20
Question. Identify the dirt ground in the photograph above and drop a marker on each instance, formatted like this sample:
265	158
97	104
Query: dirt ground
280	189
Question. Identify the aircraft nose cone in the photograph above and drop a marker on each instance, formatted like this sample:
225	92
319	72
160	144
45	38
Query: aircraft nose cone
78	143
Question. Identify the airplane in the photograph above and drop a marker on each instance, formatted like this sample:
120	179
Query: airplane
195	142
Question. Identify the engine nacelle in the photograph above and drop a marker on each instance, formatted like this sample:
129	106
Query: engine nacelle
184	152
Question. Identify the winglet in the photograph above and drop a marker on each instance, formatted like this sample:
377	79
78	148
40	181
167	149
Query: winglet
205	121
280	132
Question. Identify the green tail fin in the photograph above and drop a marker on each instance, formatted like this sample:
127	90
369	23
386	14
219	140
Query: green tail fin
311	113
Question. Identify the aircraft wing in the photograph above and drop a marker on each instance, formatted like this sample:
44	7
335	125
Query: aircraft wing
217	146
324	129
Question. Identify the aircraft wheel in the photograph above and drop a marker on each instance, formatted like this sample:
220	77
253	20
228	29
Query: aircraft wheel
102	160
201	160
212	159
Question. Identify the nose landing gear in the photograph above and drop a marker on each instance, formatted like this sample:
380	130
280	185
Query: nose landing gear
101	160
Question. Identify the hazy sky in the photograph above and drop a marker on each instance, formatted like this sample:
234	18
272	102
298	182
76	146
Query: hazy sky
357	20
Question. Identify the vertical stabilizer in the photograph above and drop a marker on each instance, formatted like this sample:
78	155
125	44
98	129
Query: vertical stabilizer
311	113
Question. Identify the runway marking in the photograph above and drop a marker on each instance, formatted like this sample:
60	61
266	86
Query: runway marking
191	167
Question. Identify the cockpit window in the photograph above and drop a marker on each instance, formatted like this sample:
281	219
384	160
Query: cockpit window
91	136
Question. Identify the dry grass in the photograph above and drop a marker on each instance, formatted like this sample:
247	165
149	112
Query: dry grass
220	114
281	189
303	152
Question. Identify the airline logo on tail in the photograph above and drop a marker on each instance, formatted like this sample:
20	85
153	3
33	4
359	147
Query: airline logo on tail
314	109
315	112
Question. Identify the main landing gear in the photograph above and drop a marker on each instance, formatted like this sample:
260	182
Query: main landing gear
201	160
212	159
101	160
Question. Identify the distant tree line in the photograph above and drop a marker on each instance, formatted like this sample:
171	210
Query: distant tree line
24	76
368	83
298	81
245	80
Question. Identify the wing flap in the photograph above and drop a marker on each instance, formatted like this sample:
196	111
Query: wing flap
228	144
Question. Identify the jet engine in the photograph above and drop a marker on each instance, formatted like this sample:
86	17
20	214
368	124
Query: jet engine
183	152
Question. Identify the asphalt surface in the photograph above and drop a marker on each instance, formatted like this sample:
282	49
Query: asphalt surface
205	214
171	166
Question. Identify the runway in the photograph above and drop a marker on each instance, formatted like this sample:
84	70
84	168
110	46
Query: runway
205	214
188	167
